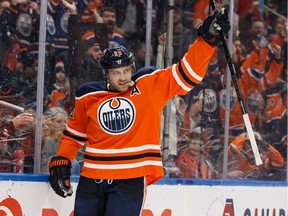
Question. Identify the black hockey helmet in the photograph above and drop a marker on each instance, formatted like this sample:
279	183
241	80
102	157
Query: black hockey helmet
116	57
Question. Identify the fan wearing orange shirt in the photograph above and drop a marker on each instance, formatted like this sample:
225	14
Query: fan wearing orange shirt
241	161
119	122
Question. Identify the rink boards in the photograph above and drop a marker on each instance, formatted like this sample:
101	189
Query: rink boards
31	195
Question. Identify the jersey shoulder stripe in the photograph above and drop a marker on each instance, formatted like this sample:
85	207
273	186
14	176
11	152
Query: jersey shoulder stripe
185	77
89	87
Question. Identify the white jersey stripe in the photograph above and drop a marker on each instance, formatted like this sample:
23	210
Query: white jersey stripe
122	166
196	76
75	132
180	83
123	150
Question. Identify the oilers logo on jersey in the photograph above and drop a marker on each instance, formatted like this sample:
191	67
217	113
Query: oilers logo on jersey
254	102
24	24
233	98
117	115
210	100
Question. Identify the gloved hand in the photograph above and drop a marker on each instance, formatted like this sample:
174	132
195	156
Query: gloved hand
60	172
213	24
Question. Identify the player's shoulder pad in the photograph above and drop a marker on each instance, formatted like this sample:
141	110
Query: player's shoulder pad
91	87
144	71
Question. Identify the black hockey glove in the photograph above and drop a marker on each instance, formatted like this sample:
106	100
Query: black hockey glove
213	24
60	172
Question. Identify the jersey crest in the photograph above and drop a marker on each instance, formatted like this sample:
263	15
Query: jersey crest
210	99
24	24
117	115
51	25
254	102
64	22
233	98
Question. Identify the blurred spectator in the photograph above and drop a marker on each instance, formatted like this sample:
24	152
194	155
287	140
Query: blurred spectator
188	11
241	162
182	37
275	126
30	77
60	15
67	102
203	104
28	143
238	56
58	91
56	119
116	39
133	24
193	160
259	71
18	122
17	61
18	21
248	8
59	118
90	68
141	55
248	33
3	5
8	132
277	30
91	15
84	52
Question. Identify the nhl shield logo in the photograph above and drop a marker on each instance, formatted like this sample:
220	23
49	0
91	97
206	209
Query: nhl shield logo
116	115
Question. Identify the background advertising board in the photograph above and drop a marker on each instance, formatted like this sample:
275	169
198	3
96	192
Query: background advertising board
171	197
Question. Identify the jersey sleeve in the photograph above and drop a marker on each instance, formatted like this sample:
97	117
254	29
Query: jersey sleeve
273	73
180	78
74	135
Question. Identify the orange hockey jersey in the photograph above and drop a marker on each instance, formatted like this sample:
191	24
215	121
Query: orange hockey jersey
121	129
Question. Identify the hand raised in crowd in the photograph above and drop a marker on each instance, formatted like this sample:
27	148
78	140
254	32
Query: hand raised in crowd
276	50
35	7
97	16
162	39
261	42
22	120
70	5
253	6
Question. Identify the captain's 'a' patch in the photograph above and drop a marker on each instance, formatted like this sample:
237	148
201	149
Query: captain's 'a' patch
135	90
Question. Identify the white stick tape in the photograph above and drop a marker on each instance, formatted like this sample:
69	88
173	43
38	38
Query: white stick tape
251	137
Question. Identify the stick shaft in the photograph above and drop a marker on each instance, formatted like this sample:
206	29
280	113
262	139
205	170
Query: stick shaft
247	122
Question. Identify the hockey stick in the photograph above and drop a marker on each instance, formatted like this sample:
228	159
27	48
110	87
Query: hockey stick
245	115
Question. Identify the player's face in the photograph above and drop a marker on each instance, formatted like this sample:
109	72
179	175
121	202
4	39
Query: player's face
120	78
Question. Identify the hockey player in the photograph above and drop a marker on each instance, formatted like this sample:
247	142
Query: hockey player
119	121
